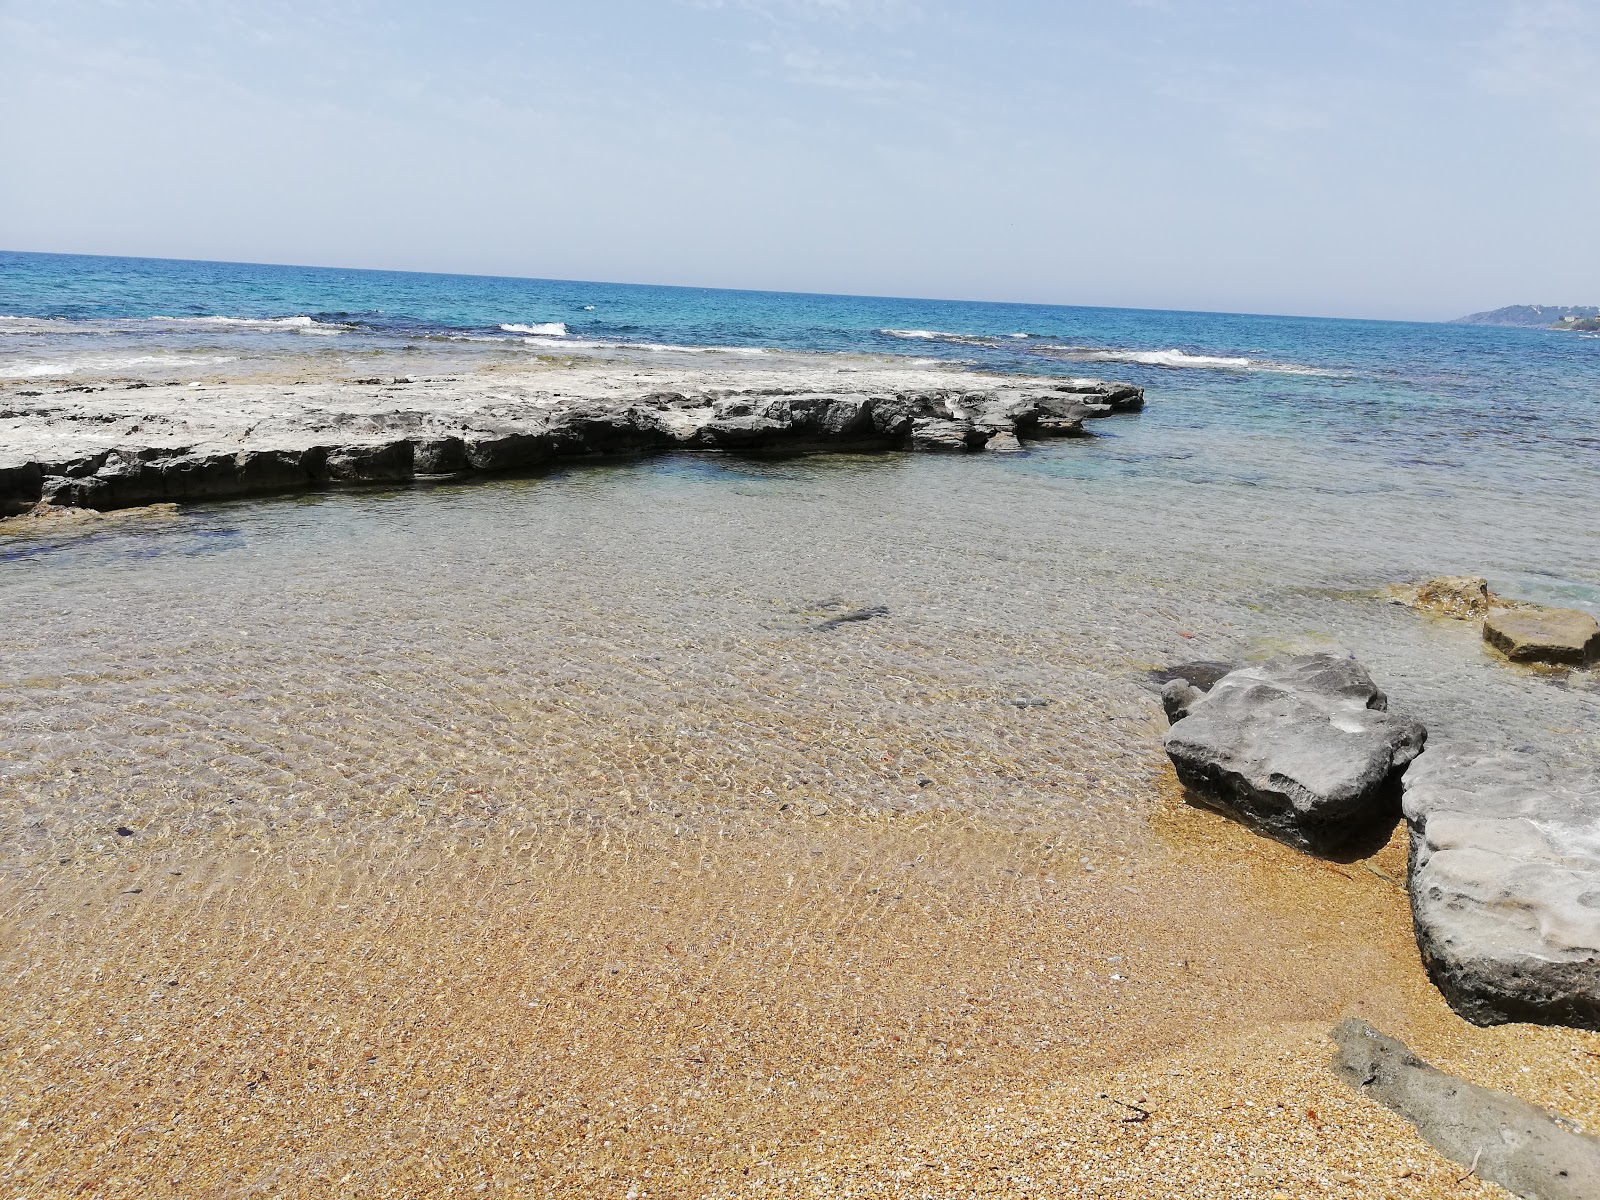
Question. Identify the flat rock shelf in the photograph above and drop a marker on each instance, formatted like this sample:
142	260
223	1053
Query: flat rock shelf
122	444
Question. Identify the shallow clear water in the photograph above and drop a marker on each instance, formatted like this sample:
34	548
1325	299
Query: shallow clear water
643	636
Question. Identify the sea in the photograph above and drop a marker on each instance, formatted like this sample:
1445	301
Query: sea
1286	473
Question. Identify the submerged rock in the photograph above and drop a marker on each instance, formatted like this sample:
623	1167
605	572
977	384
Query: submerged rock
1183	684
1492	1134
1505	885
1543	635
1301	748
1464	597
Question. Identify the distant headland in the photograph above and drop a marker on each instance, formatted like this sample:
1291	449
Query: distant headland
1537	316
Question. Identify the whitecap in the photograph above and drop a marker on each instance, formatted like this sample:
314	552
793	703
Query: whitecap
548	329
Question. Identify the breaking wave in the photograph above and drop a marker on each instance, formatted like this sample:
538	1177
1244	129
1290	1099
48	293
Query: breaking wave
300	324
1182	359
1173	358
548	329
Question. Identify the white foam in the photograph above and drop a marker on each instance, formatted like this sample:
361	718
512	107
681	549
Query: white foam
565	343
300	324
548	329
100	366
958	339
1182	358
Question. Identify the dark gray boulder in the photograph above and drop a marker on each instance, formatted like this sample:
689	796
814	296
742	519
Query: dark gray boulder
380	463
1505	885
438	456
21	487
1492	1134
1301	748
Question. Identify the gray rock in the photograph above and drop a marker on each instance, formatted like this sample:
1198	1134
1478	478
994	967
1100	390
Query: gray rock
82	450
1505	885
439	456
1301	749
1185	683
1492	1134
930	433
856	614
381	463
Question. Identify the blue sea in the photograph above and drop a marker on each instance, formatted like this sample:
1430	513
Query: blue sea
1502	425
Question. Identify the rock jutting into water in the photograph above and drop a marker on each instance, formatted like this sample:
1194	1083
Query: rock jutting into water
1505	885
115	447
1494	1135
1543	635
1301	748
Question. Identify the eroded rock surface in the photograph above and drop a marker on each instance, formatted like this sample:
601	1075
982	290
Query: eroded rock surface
1491	1134
110	447
1505	885
1301	748
1544	635
1464	597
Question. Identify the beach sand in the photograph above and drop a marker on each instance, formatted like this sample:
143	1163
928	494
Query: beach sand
796	1003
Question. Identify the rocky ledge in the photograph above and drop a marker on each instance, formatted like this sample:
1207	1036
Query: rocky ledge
116	446
1505	885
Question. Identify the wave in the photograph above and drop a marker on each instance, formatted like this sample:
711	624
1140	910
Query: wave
112	325
566	343
100	366
1183	359
300	324
958	339
1173	358
549	329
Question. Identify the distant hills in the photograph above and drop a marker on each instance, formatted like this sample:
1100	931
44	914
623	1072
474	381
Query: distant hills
1532	316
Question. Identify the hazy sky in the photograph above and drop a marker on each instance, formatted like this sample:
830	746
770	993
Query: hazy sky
1359	157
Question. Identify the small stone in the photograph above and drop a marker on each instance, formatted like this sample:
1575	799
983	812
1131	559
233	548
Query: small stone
1544	635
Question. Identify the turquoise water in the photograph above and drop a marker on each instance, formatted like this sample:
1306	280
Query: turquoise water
1488	438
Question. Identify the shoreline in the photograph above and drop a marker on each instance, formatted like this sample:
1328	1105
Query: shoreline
127	444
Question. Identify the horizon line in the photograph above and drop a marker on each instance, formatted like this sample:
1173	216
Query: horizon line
770	291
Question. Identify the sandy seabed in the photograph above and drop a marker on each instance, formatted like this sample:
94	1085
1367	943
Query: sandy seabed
801	1004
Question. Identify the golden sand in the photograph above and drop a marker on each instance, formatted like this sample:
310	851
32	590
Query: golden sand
794	1003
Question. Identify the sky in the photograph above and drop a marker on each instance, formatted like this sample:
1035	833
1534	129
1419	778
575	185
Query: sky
1365	158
